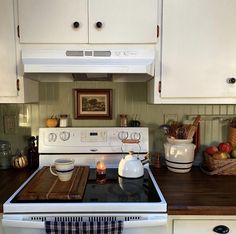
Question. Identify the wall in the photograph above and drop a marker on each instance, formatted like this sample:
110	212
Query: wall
16	125
129	98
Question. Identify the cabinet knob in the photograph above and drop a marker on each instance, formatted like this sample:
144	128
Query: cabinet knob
221	229
76	24
231	80
98	24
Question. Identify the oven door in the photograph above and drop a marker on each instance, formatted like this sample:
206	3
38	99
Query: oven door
133	223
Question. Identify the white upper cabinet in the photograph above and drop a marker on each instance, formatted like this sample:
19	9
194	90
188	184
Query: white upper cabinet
7	50
198	52
54	21
123	21
27	90
88	21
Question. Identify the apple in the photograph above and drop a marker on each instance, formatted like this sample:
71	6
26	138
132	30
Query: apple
221	155
233	153
225	147
211	150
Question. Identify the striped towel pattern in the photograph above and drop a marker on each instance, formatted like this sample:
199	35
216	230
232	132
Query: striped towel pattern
112	227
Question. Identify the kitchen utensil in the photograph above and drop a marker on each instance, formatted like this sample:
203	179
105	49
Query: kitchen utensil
193	127
165	128
181	132
130	166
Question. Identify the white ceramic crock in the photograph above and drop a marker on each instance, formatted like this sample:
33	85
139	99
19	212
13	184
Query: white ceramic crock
179	154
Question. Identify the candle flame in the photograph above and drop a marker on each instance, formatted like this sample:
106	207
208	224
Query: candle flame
101	165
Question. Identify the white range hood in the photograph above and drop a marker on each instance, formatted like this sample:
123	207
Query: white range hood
136	61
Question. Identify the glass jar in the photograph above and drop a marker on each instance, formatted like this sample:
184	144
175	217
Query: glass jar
123	120
63	121
5	155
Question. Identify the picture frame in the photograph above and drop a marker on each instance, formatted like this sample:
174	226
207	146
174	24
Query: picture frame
93	103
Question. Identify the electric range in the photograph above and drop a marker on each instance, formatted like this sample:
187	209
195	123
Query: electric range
138	202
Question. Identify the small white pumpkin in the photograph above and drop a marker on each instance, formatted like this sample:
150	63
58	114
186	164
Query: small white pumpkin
20	161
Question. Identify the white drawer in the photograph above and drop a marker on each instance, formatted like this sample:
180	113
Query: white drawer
202	226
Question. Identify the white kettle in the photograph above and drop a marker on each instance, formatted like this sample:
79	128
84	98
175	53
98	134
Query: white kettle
130	166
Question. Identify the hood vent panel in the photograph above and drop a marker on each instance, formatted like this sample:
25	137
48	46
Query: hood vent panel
140	61
88	53
91	77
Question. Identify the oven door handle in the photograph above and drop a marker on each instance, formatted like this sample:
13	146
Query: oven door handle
159	221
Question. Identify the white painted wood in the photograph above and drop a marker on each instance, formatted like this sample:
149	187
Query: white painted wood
198	49
29	92
7	50
52	21
154	97
199	224
124	21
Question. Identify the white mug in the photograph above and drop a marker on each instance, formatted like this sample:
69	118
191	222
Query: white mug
64	168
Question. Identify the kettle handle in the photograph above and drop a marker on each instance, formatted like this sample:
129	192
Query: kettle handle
123	151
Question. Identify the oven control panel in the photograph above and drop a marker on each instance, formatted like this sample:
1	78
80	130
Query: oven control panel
87	140
93	136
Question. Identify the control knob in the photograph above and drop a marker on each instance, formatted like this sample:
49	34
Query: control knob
52	137
64	136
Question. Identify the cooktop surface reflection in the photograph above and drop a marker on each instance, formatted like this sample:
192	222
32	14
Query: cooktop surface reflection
113	188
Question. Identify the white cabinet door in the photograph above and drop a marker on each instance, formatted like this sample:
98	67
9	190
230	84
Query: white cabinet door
198	49
54	21
123	21
7	50
63	21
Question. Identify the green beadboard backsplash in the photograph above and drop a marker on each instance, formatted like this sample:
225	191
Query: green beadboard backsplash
128	98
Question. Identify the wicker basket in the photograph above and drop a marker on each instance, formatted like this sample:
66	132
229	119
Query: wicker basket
213	166
232	136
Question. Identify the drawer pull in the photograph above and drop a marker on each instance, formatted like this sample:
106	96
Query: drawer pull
221	229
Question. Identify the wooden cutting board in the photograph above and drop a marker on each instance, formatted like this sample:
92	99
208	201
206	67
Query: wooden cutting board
45	186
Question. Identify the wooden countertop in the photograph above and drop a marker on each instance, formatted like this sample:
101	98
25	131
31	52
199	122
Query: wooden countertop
196	193
10	180
192	193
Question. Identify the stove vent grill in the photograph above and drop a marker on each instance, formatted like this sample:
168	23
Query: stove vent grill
84	218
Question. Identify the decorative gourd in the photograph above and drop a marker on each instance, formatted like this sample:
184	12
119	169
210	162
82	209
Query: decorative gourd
52	122
20	161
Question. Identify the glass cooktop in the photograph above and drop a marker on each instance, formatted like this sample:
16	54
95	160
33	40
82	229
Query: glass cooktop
112	188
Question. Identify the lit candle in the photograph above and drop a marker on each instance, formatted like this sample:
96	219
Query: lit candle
101	172
101	168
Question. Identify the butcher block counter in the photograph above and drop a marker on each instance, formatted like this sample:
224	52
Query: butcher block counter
10	180
192	193
196	193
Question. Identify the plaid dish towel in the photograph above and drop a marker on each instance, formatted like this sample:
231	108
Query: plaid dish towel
112	227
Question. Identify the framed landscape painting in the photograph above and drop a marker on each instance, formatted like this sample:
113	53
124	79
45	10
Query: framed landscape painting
93	103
